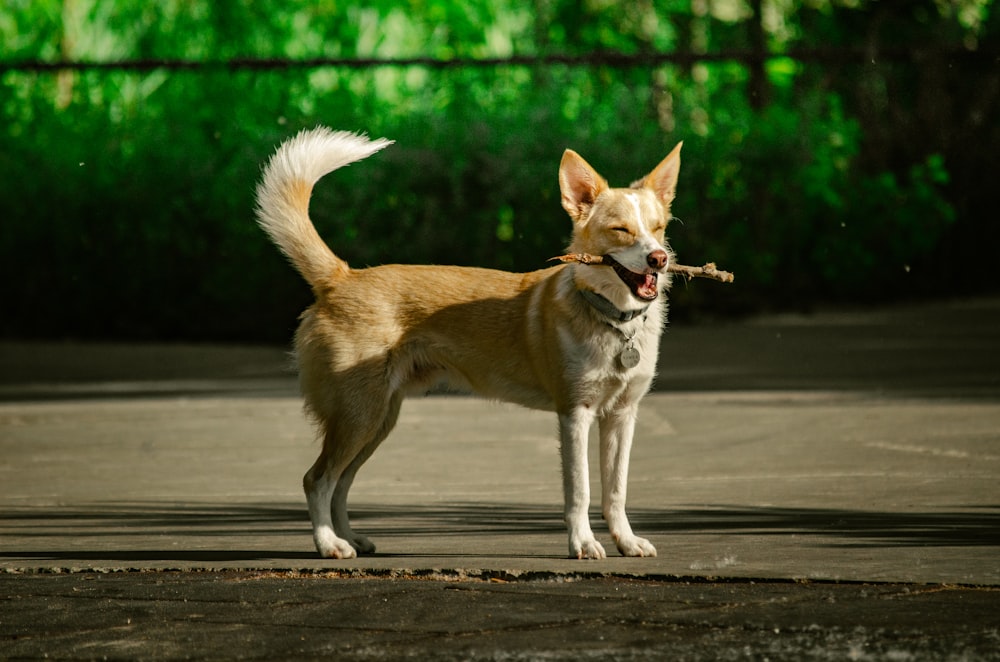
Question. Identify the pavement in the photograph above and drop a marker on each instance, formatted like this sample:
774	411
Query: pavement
820	486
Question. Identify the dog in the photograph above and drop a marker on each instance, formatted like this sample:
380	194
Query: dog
575	339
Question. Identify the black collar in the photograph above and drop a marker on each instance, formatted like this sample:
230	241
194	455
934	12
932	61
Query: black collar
610	310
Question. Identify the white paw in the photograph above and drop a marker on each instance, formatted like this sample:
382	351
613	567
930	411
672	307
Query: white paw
330	546
586	549
635	546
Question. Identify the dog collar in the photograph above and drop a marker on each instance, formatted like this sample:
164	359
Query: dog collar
610	310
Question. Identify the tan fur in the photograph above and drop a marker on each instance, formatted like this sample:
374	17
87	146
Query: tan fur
374	336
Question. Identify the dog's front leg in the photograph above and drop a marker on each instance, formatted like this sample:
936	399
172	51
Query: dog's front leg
574	428
617	428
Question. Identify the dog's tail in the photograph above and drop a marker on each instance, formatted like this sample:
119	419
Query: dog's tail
283	196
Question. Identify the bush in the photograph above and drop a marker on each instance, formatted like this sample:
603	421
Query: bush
130	194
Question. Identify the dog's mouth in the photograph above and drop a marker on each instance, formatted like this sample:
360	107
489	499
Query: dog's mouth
642	285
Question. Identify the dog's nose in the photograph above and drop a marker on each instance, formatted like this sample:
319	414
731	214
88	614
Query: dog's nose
657	259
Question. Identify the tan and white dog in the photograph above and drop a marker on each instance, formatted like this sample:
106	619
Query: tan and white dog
579	340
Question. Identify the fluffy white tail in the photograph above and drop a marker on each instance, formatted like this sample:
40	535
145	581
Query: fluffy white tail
283	195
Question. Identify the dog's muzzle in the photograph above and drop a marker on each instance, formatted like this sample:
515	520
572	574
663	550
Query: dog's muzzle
643	285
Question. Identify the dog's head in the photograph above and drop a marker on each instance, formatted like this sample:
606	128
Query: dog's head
625	225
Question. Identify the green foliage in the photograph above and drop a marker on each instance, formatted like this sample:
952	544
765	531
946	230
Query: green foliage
129	196
784	202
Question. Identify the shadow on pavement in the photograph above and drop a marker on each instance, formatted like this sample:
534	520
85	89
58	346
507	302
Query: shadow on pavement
977	526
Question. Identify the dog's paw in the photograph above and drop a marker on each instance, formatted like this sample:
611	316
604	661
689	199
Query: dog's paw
330	546
586	549
362	544
635	546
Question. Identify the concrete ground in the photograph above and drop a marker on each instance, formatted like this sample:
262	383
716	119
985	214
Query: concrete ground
818	487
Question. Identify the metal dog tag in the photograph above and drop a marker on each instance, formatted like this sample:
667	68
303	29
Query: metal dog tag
629	357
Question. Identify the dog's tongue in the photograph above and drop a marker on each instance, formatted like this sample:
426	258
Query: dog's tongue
647	288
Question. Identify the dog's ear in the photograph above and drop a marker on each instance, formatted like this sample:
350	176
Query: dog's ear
579	184
663	179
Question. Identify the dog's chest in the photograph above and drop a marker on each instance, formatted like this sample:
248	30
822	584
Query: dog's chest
612	361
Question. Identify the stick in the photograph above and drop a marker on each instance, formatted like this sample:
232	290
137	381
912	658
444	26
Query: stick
709	270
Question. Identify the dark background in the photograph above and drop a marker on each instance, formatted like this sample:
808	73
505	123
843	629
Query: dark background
834	153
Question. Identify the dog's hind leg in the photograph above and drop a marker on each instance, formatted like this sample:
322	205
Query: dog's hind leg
348	442
320	482
341	521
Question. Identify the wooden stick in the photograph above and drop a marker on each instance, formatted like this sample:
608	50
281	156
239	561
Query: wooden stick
709	270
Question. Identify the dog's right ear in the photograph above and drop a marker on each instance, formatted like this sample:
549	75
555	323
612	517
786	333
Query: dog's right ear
579	184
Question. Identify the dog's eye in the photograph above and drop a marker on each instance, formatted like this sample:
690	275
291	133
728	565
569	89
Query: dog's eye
621	229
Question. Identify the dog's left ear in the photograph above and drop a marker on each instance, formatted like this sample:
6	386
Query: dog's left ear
663	179
579	184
